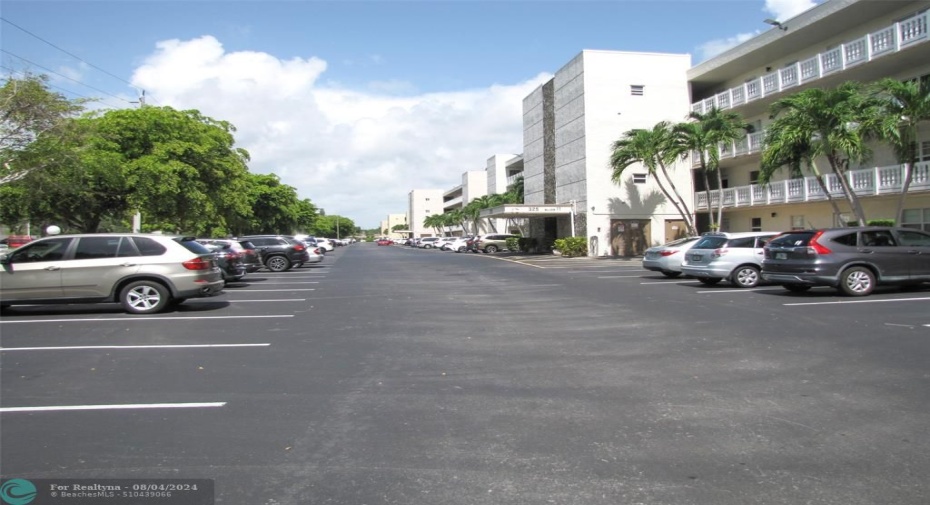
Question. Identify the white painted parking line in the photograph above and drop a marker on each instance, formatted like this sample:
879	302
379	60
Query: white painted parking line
131	347
842	302
247	290
265	301
298	282
666	282
740	290
115	407
132	319
619	276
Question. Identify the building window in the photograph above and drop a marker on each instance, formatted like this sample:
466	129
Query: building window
756	224
639	178
754	177
919	219
797	222
637	89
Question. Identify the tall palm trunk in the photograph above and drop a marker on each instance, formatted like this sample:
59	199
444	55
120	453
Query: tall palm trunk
710	202
719	196
683	210
851	196
823	186
908	177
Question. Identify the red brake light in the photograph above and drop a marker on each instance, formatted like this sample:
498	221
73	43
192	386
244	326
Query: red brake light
298	247
817	247
198	263
719	252
667	252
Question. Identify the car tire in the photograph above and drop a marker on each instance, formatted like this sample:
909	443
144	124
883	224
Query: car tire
427	246
491	249
144	297
709	281
746	276
278	264
670	274
857	281
796	288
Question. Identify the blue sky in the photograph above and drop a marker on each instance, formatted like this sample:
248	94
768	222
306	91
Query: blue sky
354	103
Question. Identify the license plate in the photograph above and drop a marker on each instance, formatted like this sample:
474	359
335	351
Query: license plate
781	256
695	257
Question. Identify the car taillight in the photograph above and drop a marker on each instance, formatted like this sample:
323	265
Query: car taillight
814	247
198	264
667	252
317	251
298	247
719	252
232	255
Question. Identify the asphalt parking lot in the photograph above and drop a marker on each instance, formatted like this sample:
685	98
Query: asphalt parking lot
396	375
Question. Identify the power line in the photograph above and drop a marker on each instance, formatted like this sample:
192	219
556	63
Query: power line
70	92
66	52
64	76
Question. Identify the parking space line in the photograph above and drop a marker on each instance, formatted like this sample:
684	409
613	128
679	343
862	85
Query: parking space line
133	347
264	301
246	290
858	301
132	319
115	407
298	282
667	282
740	290
619	276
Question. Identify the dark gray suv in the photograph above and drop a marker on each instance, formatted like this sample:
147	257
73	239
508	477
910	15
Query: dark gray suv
279	253
852	260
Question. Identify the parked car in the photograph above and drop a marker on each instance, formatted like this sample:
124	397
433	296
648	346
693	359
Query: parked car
385	241
852	260
736	257
493	242
667	258
144	273
443	242
248	257
427	242
457	245
14	241
279	253
229	261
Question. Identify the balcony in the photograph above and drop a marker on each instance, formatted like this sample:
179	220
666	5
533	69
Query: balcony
888	40
868	182
750	144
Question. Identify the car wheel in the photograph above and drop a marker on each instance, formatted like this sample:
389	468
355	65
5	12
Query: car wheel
709	281
670	274
427	246
796	288
857	281
460	249
745	277
278	264
144	297
491	249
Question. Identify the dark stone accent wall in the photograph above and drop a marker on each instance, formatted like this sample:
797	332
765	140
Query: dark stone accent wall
548	92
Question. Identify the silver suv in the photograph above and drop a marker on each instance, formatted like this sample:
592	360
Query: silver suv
144	273
736	257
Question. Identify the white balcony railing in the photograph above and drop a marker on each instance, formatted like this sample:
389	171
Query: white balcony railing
855	52
749	144
866	182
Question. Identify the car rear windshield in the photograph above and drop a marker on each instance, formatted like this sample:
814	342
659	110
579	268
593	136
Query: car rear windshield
710	242
191	245
792	240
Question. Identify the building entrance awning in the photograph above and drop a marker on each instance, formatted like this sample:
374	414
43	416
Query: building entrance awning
526	210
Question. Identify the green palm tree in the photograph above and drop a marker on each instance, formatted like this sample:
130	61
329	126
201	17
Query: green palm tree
838	122
721	127
693	139
654	149
901	107
791	148
434	221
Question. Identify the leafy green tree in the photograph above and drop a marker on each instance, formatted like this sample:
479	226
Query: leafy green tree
655	149
181	167
272	207
28	111
900	109
838	121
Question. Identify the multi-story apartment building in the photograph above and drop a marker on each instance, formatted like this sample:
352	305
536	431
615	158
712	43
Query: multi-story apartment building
422	203
569	126
835	42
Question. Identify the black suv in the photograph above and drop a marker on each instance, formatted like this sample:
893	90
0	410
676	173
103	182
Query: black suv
852	260
279	253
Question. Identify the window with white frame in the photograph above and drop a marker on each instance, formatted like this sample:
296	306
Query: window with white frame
919	219
637	89
756	224
639	178
797	222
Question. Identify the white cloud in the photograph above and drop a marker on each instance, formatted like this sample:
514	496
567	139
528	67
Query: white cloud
714	47
353	153
780	10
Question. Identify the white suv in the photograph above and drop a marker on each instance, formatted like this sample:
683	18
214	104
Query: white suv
736	257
